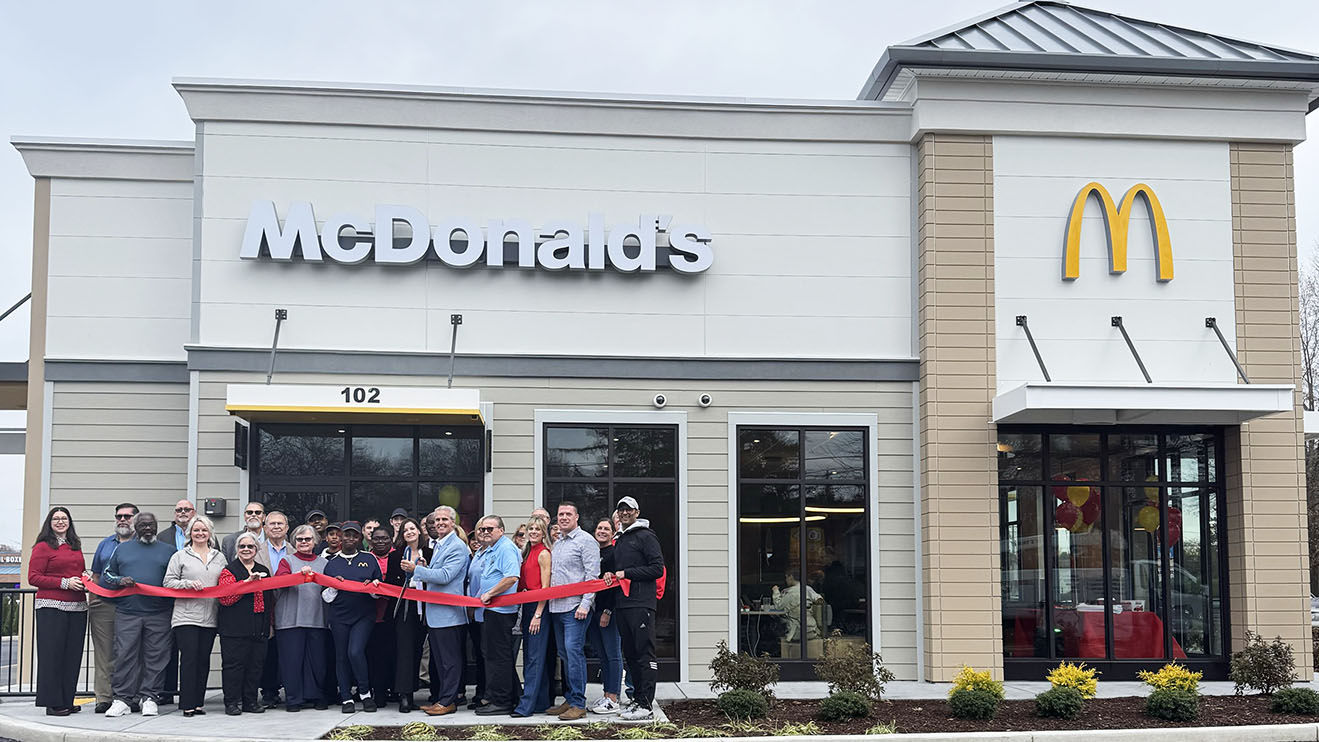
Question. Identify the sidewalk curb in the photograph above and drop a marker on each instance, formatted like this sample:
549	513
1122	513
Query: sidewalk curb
34	732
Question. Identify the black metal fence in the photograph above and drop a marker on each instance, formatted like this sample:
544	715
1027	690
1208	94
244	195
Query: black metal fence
18	670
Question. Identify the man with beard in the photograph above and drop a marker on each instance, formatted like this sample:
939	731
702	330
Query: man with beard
101	612
142	640
638	558
254	520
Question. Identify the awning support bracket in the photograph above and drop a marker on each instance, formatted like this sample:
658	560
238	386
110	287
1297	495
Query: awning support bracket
455	320
280	316
1212	323
1117	322
1021	322
14	308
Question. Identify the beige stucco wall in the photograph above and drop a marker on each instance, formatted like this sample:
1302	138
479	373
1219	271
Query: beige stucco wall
707	513
1268	555
958	474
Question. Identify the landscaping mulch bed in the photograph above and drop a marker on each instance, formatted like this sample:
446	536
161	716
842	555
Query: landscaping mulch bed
907	716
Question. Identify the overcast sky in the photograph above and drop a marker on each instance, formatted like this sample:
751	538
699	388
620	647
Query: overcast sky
103	69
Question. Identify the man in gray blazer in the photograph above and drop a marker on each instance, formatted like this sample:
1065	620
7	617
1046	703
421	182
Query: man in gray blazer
445	574
254	518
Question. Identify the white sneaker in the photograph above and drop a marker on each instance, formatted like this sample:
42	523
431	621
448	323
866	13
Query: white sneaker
118	708
637	713
604	706
149	707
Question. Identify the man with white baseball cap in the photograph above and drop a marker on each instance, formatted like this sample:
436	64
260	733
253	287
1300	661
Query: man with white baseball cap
638	558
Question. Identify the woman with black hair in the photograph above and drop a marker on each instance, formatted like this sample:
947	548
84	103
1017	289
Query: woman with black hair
56	568
409	624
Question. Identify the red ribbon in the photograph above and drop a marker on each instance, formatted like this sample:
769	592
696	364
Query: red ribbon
380	590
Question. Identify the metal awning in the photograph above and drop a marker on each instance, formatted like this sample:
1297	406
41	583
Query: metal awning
1165	404
13	385
348	403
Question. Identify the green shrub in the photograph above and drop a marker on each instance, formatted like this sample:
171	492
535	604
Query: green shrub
741	671
351	732
1082	678
1295	701
844	704
1172	675
974	703
741	703
420	731
1261	666
968	679
1060	702
889	728
1173	704
488	733
560	732
803	729
850	666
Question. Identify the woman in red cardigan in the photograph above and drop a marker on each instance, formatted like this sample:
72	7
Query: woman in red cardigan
55	569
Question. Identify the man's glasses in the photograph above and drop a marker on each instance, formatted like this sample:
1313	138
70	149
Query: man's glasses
185	510
254	512
485	529
123	516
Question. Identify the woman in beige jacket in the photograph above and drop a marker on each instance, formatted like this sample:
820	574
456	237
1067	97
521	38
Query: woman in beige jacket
196	566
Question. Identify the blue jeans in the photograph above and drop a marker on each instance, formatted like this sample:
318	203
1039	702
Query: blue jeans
350	656
608	650
570	636
535	677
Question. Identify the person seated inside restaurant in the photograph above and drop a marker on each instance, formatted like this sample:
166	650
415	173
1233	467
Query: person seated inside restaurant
789	600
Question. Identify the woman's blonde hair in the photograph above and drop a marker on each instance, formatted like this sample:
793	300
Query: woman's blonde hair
544	526
212	542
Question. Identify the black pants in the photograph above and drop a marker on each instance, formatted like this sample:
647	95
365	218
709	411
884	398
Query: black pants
270	675
447	651
501	679
60	636
381	660
242	660
636	627
477	660
330	681
409	634
195	644
172	671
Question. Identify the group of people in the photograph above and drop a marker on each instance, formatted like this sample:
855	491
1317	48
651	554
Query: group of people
327	645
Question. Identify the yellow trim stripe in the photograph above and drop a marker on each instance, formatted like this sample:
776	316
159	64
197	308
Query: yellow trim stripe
372	410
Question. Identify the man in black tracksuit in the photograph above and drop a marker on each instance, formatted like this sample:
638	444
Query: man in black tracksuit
638	558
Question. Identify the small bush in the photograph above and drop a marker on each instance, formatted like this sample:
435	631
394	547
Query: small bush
851	666
745	728
889	728
969	679
741	671
1078	677
638	731
351	732
1173	704
697	732
1295	701
974	703
844	704
797	730
743	704
1172	676
420	731
488	733
1261	666
1059	703
560	732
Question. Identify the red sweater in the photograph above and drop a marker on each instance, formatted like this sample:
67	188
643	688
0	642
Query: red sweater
48	566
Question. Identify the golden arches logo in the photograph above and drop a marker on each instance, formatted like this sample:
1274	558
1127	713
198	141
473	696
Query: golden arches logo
1117	222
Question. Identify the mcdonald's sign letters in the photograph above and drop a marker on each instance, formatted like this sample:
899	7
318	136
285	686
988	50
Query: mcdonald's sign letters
1117	223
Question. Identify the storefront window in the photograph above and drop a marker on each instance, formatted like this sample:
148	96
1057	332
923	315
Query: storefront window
594	466
803	542
1120	530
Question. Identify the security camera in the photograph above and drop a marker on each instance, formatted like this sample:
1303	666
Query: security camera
705	400
660	400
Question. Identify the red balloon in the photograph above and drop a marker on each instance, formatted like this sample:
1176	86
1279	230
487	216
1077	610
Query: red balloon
1090	510
1067	515
1061	492
1174	533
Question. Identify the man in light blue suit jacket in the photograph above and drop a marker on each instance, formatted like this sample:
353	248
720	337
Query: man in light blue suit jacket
445	574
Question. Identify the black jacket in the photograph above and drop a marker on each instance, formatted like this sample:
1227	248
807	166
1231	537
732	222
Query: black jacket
607	599
637	553
403	610
240	619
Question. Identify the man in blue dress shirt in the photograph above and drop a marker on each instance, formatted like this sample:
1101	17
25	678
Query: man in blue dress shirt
501	568
445	574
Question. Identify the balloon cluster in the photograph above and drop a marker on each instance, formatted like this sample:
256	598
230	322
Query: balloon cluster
1147	519
1078	505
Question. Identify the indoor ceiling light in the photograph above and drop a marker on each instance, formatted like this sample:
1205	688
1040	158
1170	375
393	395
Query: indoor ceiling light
817	509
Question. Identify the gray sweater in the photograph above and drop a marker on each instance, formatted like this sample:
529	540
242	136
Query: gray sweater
184	567
301	607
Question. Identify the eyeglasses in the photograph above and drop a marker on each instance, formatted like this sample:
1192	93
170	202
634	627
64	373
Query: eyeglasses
123	516
185	510
59	519
485	529
247	546
254	512
304	538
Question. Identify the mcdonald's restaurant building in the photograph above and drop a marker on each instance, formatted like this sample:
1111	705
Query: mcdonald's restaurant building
953	365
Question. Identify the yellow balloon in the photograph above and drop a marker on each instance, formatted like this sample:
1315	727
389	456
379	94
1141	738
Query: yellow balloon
1148	519
1078	494
1151	493
449	495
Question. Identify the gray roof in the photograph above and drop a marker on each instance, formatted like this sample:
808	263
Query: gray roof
1058	36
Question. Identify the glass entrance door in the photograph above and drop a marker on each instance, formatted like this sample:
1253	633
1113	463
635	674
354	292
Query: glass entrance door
296	503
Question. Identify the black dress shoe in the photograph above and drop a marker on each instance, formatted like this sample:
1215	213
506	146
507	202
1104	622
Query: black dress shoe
349	708
292	707
75	709
199	712
477	704
52	711
369	705
493	710
232	710
405	704
253	708
187	714
320	705
102	707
